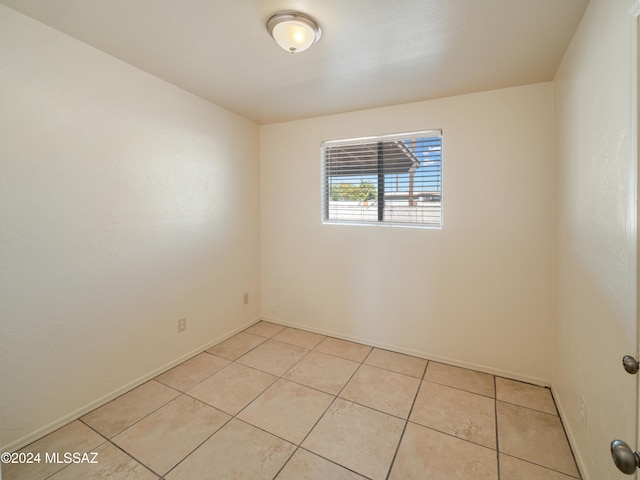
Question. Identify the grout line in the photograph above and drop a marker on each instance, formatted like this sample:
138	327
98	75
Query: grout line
287	462
530	408
201	443
347	382
406	424
335	397
140	419
367	355
541	466
424	372
335	463
277	377
448	434
135	459
318	421
460	389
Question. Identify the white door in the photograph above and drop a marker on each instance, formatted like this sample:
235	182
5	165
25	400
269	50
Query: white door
627	459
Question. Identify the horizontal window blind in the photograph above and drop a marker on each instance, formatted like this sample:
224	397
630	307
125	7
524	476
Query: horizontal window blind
392	179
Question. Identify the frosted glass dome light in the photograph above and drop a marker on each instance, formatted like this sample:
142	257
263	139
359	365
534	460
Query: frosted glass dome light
293	31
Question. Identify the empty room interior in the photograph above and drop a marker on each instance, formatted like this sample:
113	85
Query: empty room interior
168	232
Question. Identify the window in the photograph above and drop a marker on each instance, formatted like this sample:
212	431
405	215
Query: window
390	180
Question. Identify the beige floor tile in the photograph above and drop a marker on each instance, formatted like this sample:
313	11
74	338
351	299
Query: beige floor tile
342	348
193	371
305	465
264	329
287	410
299	337
74	437
383	390
112	464
525	395
427	454
534	436
464	414
124	411
238	451
469	380
397	362
232	388
356	437
451	433
515	469
171	433
273	357
236	346
323	372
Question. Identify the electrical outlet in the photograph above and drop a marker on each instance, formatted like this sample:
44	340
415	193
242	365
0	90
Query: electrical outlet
182	325
583	410
245	299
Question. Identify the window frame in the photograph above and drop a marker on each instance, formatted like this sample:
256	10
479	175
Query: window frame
379	139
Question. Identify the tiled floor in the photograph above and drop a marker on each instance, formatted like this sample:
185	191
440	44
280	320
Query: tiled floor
275	402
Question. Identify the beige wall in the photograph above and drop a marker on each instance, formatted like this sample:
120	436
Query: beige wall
476	293
126	204
596	235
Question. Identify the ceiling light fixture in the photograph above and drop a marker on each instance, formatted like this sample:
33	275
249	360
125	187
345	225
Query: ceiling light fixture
294	31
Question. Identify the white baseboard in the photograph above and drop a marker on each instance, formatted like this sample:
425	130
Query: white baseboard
571	437
416	353
55	425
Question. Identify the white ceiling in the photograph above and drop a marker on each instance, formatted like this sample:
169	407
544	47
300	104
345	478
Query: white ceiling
372	52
